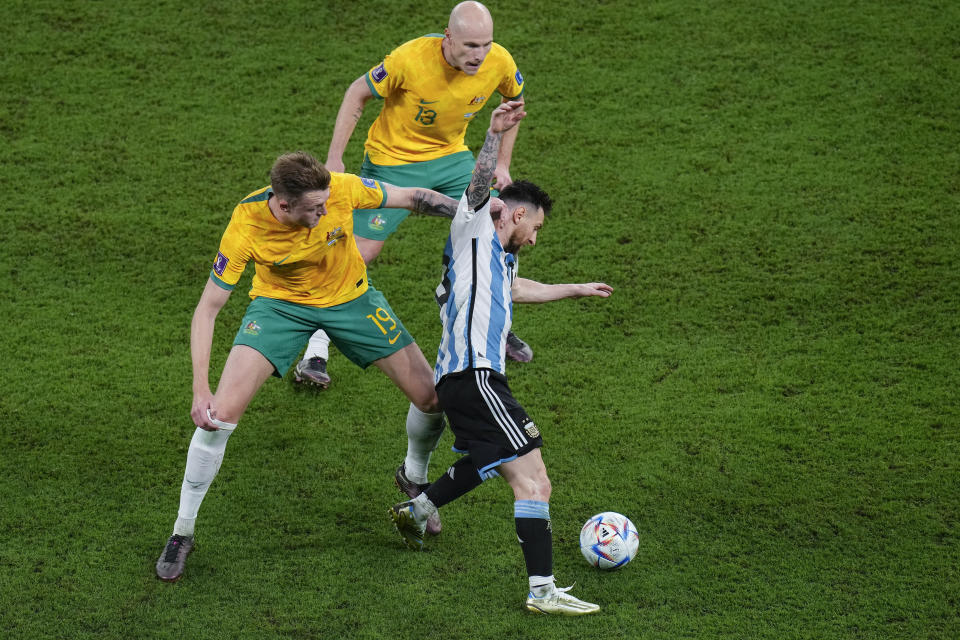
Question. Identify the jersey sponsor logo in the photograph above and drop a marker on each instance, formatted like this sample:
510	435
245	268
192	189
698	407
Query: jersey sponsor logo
277	263
377	223
380	73
531	428
422	101
369	182
333	236
252	328
518	77
477	100
220	264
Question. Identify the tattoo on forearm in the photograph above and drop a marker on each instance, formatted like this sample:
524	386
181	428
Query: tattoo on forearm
479	189
434	204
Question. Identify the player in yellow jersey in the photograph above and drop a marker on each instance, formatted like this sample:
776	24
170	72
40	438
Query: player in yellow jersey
298	232
432	88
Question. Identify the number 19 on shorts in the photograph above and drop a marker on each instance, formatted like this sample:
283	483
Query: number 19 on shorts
385	323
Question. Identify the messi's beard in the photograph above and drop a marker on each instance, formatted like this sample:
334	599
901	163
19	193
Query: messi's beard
513	244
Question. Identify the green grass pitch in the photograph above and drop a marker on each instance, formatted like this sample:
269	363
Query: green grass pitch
772	188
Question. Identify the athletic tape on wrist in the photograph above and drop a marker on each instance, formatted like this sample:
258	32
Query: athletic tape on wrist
220	424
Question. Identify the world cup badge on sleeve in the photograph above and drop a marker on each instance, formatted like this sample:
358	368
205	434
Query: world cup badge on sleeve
220	264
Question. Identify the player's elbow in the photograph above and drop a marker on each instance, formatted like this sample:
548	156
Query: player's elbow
358	92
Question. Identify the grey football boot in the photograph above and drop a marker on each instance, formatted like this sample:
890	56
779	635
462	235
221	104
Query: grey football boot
517	349
312	371
174	557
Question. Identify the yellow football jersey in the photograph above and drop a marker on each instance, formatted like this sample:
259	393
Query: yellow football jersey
427	104
319	267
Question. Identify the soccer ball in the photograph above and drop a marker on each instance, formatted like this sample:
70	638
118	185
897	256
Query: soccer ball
609	540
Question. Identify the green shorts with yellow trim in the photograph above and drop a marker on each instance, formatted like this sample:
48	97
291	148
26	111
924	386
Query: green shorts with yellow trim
450	175
364	329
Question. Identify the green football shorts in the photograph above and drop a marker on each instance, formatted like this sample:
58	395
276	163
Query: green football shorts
364	329
450	175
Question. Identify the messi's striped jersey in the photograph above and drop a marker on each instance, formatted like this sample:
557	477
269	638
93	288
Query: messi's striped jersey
476	304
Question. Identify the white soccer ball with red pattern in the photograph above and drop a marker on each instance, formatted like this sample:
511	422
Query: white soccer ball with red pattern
609	540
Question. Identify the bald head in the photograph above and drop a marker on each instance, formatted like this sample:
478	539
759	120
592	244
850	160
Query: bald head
470	16
468	37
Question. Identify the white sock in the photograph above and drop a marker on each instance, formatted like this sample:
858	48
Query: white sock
423	434
541	586
423	508
203	463
319	346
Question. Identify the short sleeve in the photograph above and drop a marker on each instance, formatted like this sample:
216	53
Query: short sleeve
366	193
384	78
511	85
232	257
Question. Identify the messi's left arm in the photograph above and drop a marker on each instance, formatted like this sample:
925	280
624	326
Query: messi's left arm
525	290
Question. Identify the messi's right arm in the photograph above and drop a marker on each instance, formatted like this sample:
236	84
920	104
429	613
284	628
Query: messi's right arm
503	118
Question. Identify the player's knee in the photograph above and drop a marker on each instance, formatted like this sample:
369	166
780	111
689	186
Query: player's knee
430	407
533	487
227	416
426	401
543	488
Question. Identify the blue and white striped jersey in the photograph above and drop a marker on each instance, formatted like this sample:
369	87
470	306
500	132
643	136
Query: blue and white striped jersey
476	305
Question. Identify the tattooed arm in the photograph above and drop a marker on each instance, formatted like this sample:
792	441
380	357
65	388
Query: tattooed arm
419	200
479	189
504	118
431	203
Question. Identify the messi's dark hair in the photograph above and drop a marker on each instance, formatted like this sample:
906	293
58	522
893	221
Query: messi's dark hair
524	192
293	174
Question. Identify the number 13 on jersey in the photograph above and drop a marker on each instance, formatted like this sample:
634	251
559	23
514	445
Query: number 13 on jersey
425	116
